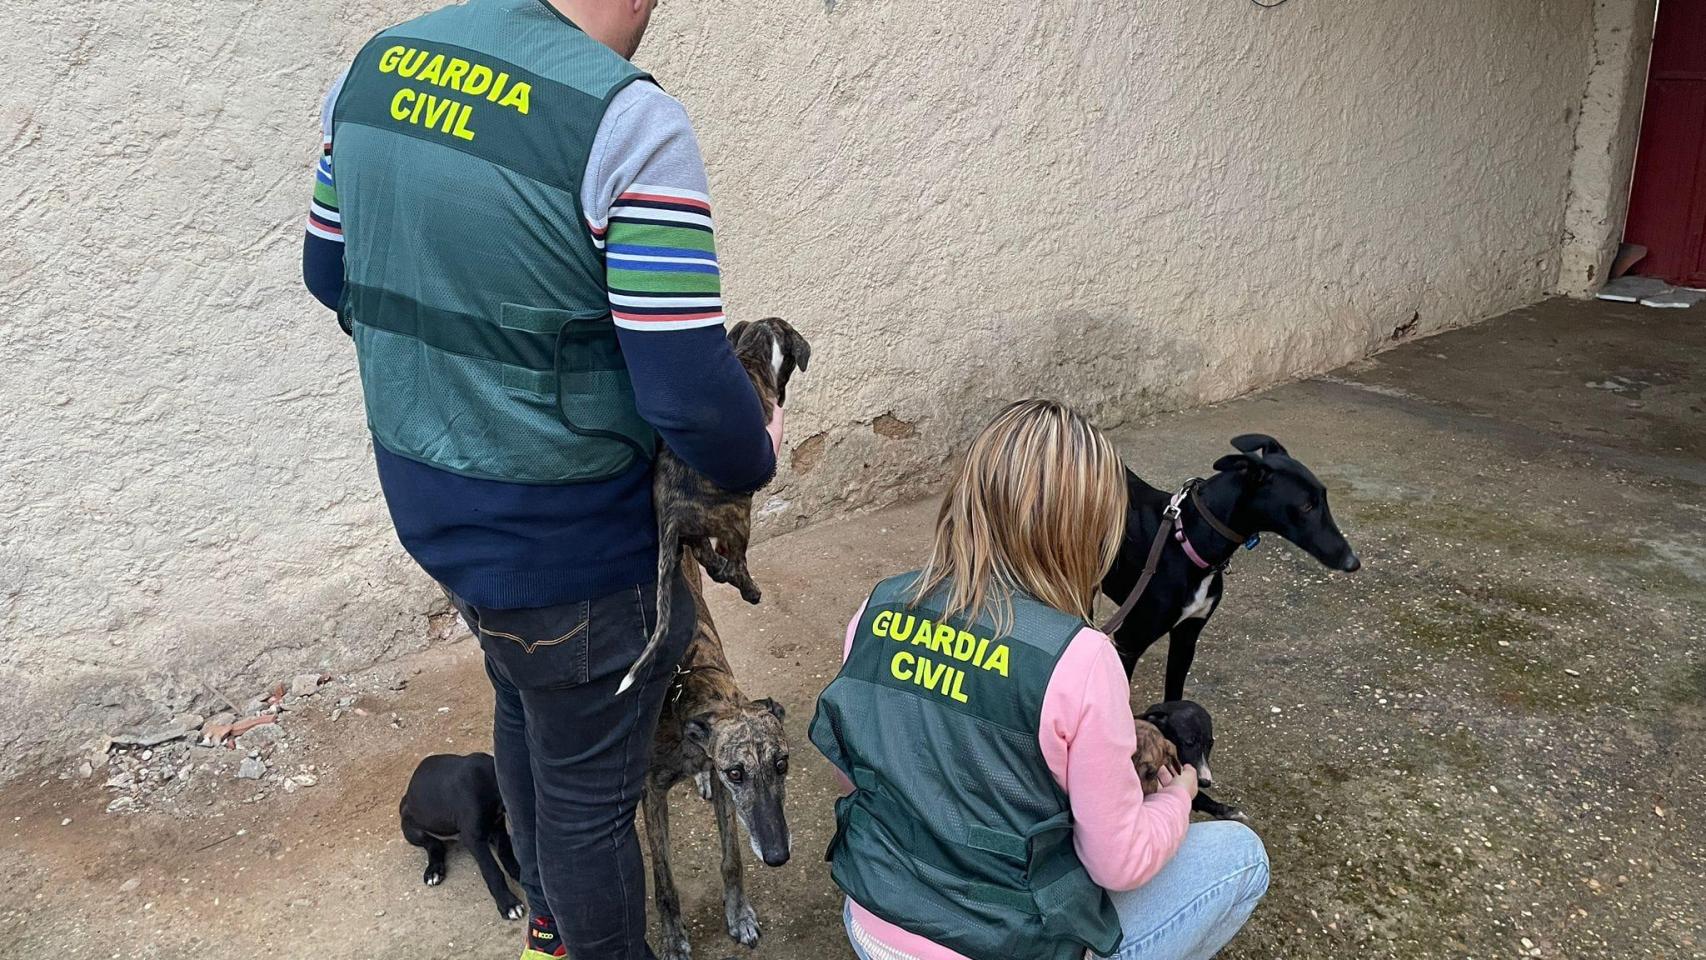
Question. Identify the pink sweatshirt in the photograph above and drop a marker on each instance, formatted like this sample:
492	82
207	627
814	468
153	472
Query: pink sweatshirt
1088	738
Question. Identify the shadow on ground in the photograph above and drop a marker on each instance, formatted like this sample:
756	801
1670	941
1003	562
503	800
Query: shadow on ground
1485	744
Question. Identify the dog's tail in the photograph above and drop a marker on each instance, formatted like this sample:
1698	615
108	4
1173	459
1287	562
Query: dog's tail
669	561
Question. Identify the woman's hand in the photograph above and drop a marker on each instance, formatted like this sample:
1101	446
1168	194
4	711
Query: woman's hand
1186	776
1155	756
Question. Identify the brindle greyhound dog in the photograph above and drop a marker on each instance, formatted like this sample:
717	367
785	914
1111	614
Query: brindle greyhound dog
712	523
737	752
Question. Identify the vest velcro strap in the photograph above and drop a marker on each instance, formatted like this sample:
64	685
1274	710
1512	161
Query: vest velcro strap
995	841
459	333
539	382
1002	897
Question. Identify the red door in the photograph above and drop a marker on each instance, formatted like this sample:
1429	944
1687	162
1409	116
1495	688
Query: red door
1667	205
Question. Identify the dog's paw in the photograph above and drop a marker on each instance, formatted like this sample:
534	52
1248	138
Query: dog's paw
513	910
702	781
676	947
1236	814
743	923
433	876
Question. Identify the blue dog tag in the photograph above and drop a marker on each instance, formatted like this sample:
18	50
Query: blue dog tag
1254	541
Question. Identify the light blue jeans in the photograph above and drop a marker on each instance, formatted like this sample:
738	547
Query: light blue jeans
1196	903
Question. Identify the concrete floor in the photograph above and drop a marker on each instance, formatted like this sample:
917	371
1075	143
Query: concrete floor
1486	744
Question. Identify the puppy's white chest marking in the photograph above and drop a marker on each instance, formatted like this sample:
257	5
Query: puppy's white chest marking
1201	604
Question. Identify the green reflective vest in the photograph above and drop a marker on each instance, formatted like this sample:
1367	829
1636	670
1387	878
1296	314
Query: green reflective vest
476	296
956	830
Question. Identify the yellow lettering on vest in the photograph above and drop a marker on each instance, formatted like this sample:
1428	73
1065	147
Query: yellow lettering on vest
388	59
895	665
400	104
461	129
925	631
498	87
880	623
406	67
943	641
420	101
959	693
479	80
454	71
437	108
997	661
517	97
964	644
928	673
901	627
431	72
982	647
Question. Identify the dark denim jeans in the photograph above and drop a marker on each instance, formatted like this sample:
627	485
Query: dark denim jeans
572	756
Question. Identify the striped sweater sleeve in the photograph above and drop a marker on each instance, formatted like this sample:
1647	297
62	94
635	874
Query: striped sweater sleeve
647	205
323	243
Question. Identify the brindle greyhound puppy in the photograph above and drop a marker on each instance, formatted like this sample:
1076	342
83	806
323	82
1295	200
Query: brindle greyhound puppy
737	751
695	513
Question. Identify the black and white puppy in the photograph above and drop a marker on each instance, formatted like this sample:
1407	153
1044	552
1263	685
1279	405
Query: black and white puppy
1260	489
1187	725
456	798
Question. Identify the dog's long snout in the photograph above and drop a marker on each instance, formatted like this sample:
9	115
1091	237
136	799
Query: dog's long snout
1351	564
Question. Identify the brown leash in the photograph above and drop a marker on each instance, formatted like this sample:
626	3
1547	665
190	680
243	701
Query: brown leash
1169	517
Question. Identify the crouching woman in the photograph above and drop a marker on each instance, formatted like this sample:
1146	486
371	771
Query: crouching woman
985	738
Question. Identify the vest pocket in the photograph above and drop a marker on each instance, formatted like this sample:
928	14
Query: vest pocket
595	397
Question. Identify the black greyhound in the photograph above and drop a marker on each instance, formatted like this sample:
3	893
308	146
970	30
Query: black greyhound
1260	489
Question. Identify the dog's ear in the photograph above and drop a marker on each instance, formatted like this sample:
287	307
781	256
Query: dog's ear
1249	464
1257	444
738	329
1157	718
772	706
799	348
697	730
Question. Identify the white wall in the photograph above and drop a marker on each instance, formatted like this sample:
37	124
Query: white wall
1134	206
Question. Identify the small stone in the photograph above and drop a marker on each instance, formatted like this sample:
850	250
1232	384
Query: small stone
147	754
66	822
129	885
304	684
121	803
1571	672
443	709
85	770
304	780
337	715
1527	944
252	768
120	780
1273	709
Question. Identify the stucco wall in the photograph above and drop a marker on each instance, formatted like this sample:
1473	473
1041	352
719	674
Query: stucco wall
1134	206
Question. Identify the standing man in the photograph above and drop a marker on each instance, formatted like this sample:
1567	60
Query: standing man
519	240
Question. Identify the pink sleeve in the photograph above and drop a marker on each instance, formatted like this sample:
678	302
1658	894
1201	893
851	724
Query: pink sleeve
846	649
1088	738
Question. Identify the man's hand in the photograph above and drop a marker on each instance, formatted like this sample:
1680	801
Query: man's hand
775	429
1186	776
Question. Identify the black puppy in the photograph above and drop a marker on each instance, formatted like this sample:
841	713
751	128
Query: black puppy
1259	490
456	798
1190	729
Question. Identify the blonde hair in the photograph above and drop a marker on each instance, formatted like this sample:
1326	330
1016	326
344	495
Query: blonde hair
1038	505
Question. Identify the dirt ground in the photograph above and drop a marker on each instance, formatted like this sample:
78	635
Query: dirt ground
1486	744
